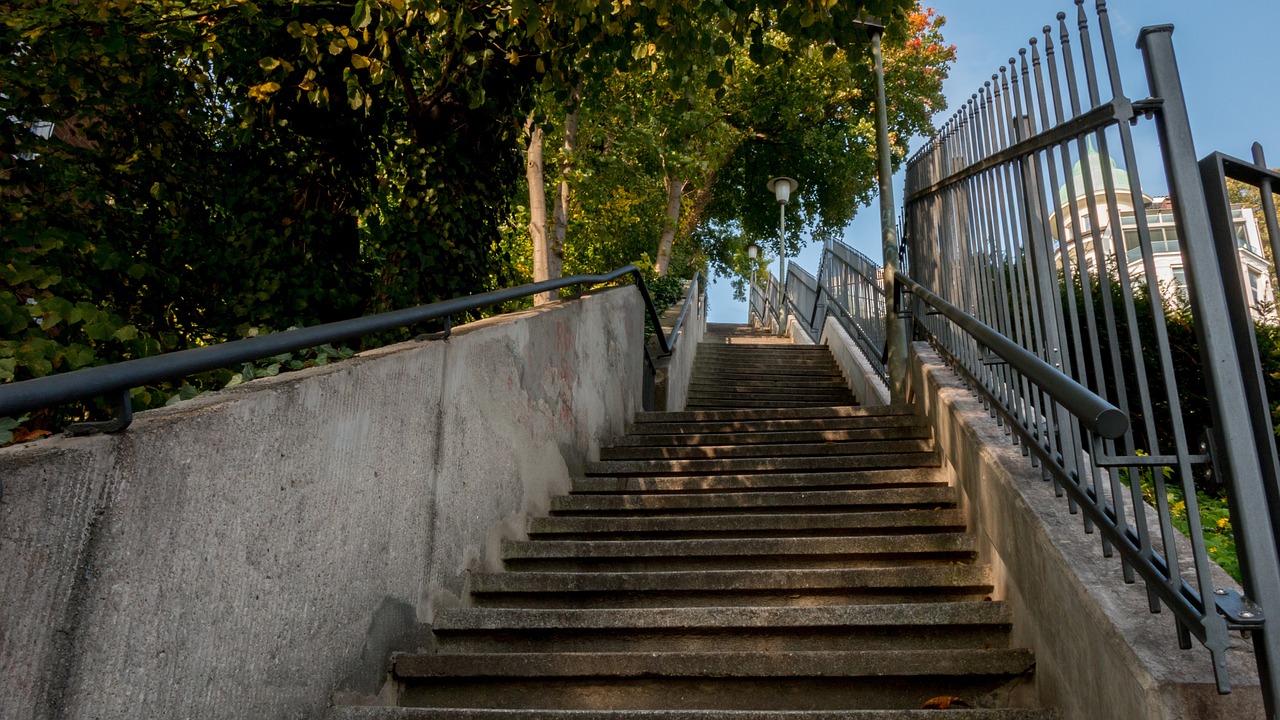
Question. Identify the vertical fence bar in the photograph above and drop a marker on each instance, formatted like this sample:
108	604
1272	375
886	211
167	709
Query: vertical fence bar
1221	362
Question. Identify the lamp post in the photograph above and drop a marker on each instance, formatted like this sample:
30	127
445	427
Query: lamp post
782	187
753	252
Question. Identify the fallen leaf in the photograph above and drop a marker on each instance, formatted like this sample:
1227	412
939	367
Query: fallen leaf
944	702
22	435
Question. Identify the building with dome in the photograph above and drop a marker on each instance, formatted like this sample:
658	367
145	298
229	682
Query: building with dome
1096	222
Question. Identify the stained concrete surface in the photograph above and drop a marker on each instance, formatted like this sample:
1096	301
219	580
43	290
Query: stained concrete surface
252	551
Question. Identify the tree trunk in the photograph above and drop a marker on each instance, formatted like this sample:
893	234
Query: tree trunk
533	172
675	190
560	223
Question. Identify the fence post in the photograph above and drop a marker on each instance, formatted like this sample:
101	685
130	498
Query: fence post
895	330
1233	437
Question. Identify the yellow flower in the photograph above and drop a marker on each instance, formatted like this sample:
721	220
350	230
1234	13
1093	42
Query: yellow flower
1223	523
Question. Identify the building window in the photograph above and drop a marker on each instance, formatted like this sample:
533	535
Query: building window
1255	288
1179	277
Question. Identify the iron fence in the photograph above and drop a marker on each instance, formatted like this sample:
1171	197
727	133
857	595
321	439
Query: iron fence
803	300
854	291
1026	214
766	305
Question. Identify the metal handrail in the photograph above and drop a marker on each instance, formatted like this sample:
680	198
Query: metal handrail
695	289
1094	412
38	393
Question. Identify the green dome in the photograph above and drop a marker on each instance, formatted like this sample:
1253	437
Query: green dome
1120	178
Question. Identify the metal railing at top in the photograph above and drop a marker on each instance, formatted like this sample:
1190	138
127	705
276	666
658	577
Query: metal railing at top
803	300
116	380
1009	219
853	287
766	305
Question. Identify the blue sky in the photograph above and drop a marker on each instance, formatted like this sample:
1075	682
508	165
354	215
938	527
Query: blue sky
1226	54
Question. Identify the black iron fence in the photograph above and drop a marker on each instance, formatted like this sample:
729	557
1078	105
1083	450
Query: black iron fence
1026	215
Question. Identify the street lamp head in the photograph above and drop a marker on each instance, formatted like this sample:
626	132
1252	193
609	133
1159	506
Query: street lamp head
753	251
782	187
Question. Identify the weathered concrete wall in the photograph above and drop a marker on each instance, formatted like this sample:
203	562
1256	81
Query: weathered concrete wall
249	553
797	333
862	378
674	372
1100	654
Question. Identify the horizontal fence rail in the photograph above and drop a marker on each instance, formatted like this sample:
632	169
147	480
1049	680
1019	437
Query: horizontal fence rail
1049	272
117	379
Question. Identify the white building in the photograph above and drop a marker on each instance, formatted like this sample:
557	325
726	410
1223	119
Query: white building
1170	274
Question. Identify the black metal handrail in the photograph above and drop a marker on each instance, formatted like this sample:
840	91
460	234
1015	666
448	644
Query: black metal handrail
27	395
1094	412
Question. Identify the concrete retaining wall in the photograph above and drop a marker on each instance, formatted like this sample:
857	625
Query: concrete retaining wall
1100	654
674	372
862	378
252	552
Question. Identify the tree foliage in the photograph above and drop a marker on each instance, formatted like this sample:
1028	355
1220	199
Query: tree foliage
183	172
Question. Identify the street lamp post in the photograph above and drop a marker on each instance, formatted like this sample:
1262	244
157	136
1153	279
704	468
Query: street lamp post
753	252
782	187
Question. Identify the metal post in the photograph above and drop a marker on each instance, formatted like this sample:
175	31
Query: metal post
1268	214
1232	433
782	264
895	329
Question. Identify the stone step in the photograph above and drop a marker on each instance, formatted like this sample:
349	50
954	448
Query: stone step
694	680
734	629
641	432
908	440
778	365
747	525
748	502
811	385
793	377
773	415
737	553
748	587
756	437
761	481
831	396
715	348
910	456
351	712
781	372
746	404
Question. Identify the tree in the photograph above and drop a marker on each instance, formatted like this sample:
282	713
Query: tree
221	167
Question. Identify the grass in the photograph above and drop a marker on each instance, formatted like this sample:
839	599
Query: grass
1215	520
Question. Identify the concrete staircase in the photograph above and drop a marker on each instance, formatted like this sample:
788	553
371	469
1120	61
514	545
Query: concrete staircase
741	367
774	558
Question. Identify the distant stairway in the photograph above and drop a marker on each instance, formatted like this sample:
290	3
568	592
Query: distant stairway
806	563
741	367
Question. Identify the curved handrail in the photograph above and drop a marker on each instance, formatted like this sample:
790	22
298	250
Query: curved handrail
1095	412
37	393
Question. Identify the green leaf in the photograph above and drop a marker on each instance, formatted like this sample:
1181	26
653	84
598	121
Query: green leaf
362	16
